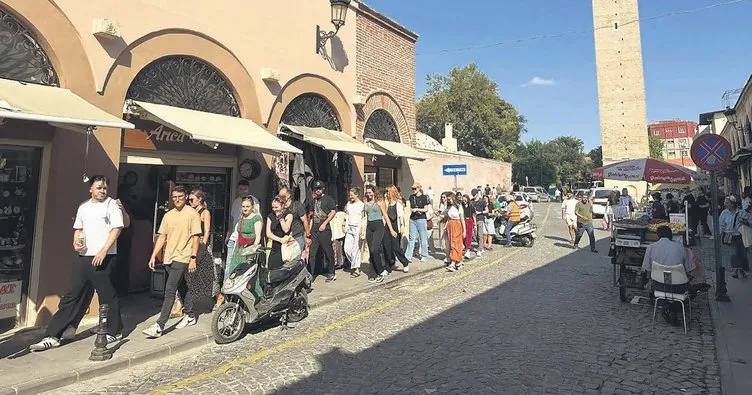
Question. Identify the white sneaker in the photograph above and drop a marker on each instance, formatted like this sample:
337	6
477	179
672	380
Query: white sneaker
45	344
384	273
479	253
153	331
451	268
185	322
460	265
467	254
405	269
424	259
114	339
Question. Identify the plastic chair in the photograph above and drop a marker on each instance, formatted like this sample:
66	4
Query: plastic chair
669	276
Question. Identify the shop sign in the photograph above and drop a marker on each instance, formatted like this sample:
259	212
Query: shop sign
677	218
10	299
154	136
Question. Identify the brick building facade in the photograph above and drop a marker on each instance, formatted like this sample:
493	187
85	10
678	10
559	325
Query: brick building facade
677	136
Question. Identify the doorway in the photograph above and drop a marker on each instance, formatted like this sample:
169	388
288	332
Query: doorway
145	193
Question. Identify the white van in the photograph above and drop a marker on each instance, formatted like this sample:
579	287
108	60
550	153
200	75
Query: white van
599	197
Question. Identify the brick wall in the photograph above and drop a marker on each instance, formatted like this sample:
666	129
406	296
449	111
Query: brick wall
621	88
386	64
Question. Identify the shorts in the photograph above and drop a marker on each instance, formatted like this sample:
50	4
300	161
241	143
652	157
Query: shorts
489	225
572	221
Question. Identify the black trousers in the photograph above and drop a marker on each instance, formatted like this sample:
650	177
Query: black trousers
701	218
84	279
176	272
321	242
393	250
375	241
739	258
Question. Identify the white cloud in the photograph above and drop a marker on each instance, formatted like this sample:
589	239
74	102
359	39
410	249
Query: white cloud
538	81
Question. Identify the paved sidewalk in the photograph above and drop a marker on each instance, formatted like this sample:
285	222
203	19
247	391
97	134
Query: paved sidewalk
732	322
25	372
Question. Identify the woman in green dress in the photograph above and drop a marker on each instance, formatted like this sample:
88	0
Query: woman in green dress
249	231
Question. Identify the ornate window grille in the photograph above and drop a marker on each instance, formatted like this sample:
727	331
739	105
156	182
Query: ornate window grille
184	82
311	110
21	57
381	126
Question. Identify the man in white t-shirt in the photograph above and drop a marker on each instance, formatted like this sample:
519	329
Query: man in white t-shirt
242	191
568	215
96	229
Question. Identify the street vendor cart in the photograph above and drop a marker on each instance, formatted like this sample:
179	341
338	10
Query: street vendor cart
629	240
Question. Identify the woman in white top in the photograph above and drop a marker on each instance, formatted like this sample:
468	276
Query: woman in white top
730	221
353	242
455	229
443	245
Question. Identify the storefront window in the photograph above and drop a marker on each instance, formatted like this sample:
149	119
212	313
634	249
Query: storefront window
19	189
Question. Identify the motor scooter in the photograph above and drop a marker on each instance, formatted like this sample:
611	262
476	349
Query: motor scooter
253	294
522	235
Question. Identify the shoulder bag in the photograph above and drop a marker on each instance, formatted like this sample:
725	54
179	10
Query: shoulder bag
728	236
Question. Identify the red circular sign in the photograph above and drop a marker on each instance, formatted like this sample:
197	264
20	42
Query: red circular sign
711	152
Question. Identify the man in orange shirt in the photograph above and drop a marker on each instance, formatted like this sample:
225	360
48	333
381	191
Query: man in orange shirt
513	217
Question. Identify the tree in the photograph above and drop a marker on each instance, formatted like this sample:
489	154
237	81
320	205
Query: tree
533	163
569	159
485	125
656	147
596	156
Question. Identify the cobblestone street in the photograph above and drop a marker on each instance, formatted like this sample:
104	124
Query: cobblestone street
540	320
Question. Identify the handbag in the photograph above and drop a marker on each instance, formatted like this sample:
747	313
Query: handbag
429	224
291	251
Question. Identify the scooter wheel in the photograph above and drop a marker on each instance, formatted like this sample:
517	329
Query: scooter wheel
298	309
228	323
527	242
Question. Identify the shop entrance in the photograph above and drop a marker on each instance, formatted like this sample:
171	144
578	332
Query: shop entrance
145	192
19	189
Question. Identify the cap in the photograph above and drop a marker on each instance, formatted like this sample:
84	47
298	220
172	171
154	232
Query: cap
732	199
318	184
417	186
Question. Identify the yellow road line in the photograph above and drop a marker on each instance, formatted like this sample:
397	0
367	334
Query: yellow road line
321	332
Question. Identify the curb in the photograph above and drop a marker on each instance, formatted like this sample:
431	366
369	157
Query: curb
57	381
721	346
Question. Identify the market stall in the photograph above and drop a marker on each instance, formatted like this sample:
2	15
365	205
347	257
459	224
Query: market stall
629	240
631	237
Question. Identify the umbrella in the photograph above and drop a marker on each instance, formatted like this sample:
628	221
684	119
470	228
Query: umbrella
648	169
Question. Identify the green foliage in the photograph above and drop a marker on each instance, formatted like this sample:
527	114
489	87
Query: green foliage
596	156
560	161
656	147
484	124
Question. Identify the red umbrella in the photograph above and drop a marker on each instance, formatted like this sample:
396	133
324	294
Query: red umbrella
648	169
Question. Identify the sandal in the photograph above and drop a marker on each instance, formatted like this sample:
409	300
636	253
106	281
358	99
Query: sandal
355	273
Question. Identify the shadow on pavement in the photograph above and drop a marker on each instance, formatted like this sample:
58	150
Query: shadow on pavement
559	327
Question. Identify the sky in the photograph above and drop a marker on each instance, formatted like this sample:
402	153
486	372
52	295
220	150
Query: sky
689	59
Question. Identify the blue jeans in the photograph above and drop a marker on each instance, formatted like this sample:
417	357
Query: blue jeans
508	229
418	227
582	228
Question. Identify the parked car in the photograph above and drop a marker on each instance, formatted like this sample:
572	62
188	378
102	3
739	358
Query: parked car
579	192
531	193
543	195
600	198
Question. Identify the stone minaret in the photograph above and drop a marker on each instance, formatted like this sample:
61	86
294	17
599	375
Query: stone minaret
621	86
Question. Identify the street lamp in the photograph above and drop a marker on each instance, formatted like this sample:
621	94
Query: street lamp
339	14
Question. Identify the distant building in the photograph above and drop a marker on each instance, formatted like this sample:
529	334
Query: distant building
677	136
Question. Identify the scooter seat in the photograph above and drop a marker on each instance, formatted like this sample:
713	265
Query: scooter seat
281	274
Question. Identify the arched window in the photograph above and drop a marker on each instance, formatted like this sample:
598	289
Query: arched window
184	82
381	126
311	110
21	57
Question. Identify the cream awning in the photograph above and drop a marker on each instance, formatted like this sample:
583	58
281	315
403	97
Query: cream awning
57	106
216	128
329	140
397	150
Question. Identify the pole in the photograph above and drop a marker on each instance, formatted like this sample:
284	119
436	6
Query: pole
100	351
455	182
720	272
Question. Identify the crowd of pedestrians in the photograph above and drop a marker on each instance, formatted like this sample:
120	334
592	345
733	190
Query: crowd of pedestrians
380	221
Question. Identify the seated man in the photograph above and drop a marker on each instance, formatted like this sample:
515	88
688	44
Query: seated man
667	252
